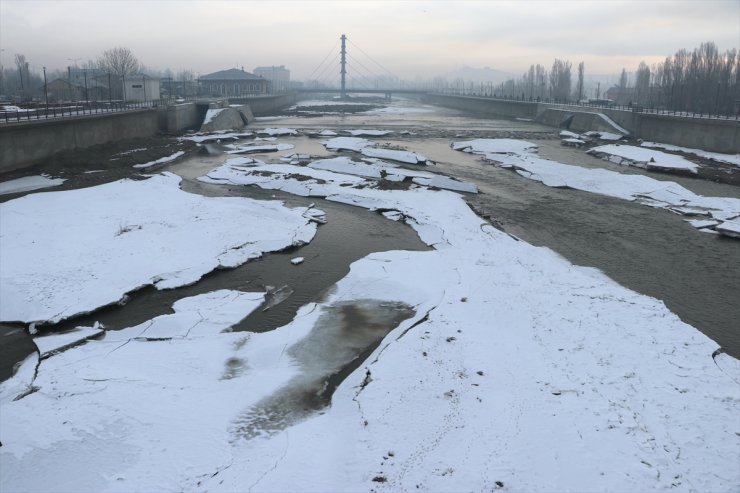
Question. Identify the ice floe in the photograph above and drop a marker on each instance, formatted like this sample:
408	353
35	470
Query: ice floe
394	155
367	132
202	138
161	160
62	257
713	156
494	146
57	342
643	158
277	131
29	183
638	188
505	367
347	143
258	148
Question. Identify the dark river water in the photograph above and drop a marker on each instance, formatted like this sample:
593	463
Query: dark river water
651	251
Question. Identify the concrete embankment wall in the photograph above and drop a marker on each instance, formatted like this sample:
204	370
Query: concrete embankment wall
485	106
701	133
178	118
24	144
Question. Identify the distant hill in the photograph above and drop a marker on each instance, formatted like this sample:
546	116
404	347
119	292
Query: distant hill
485	74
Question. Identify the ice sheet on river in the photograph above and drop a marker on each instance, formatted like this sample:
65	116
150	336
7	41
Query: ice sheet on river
642	157
516	369
62	256
611	388
637	188
28	183
733	159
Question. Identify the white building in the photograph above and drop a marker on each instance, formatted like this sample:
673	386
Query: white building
278	76
141	87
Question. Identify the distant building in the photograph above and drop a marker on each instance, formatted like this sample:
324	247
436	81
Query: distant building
92	85
279	77
233	83
141	87
60	90
621	95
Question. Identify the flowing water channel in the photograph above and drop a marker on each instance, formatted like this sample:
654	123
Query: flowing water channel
651	251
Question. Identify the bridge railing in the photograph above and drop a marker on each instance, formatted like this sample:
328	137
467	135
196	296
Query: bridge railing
39	112
635	108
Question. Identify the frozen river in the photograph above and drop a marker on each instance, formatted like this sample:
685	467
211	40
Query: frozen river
401	340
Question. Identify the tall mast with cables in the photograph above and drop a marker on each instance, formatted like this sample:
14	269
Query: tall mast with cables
343	64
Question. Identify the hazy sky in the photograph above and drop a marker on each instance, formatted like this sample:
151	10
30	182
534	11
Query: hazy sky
409	38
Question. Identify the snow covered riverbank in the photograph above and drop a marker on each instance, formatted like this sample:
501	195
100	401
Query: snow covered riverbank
516	371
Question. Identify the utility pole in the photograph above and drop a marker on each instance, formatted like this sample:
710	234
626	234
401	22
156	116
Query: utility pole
343	70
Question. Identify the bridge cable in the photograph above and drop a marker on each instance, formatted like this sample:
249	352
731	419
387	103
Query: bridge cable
368	78
373	60
325	58
367	70
334	65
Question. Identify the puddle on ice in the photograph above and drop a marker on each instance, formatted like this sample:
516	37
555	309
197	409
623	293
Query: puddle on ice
343	336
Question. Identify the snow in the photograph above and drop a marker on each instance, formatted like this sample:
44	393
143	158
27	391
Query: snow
730	228
340	170
398	110
638	188
28	183
494	146
367	132
211	114
347	143
139	233
297	260
643	158
277	131
394	155
52	343
20	383
216	136
247	149
604	135
713	156
512	367
161	160
573	142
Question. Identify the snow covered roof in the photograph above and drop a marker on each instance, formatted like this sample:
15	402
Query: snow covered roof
231	74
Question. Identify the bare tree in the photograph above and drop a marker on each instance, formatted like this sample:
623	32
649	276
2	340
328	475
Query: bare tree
560	80
642	83
623	79
119	61
579	85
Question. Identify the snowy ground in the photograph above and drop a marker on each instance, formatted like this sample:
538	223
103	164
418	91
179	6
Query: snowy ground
521	157
62	257
508	369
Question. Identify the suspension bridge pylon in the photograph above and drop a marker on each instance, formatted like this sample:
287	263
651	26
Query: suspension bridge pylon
343	66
